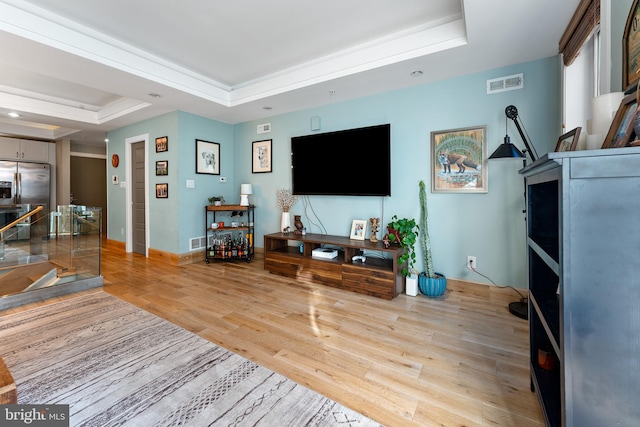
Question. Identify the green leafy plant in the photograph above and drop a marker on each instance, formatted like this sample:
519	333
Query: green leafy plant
405	232
425	241
216	199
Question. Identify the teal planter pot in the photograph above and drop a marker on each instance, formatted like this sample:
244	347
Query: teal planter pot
432	287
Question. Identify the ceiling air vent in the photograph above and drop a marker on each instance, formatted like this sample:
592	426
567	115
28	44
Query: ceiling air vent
264	128
503	84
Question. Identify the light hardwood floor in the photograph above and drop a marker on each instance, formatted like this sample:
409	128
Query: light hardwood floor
461	360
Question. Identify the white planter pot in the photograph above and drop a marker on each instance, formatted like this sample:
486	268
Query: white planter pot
411	285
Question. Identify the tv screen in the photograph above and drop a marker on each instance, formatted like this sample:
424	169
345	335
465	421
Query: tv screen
354	162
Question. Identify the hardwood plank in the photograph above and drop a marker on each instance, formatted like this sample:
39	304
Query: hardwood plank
458	360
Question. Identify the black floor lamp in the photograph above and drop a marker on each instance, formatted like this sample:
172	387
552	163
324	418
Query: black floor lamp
508	150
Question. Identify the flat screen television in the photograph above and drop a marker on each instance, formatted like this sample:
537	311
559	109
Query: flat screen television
353	162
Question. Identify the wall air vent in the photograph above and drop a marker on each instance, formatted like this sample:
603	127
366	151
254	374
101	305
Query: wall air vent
264	128
503	84
197	243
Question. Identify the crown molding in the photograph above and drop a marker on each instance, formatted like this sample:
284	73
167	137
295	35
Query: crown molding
36	24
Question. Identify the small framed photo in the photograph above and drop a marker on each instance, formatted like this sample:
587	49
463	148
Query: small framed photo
261	156
162	191
622	125
569	140
358	229
459	160
162	167
207	157
162	144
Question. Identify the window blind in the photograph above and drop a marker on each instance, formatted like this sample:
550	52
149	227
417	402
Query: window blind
585	19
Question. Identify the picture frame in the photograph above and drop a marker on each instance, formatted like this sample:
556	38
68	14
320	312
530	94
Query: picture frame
631	47
207	157
622	124
358	229
459	160
162	168
568	141
261	159
162	191
162	144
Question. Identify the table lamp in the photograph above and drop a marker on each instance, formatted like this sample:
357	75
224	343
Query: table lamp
245	191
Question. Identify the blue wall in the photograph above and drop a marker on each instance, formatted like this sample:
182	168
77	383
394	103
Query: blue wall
490	225
193	200
176	219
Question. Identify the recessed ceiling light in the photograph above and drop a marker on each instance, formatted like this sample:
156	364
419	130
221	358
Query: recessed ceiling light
155	95
416	73
13	114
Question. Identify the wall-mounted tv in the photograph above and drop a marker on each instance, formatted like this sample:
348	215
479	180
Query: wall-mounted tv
353	162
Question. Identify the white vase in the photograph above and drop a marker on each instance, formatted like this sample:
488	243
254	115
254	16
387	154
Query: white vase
285	221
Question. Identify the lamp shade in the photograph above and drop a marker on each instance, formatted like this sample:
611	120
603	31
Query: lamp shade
246	189
506	150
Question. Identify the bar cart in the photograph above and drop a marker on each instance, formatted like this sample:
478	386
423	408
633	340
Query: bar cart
229	231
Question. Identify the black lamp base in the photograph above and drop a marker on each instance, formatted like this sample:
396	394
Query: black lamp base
520	309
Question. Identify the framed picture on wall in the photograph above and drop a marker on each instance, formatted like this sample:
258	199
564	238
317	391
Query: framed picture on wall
207	157
162	167
162	191
162	144
459	160
261	156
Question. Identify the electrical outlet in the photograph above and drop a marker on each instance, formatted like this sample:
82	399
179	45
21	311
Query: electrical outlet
471	262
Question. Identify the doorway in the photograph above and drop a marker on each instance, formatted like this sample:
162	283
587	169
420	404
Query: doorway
88	184
137	194
138	198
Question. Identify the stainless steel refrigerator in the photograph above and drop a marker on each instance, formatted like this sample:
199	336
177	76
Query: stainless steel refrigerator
23	186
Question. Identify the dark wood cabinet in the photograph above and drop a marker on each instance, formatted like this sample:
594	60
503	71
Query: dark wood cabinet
291	255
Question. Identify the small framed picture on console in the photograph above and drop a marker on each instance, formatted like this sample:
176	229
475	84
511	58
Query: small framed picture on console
358	229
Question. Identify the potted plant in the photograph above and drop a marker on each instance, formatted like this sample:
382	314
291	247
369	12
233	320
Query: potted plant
216	200
286	199
404	231
431	283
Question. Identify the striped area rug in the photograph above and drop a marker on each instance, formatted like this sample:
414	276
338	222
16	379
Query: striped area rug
116	364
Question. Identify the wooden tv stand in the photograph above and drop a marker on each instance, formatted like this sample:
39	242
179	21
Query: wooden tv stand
380	277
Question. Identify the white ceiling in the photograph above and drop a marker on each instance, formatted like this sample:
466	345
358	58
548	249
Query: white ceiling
78	68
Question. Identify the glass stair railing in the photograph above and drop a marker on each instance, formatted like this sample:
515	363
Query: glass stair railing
45	254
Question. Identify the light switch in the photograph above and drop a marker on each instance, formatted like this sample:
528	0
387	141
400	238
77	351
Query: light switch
191	183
